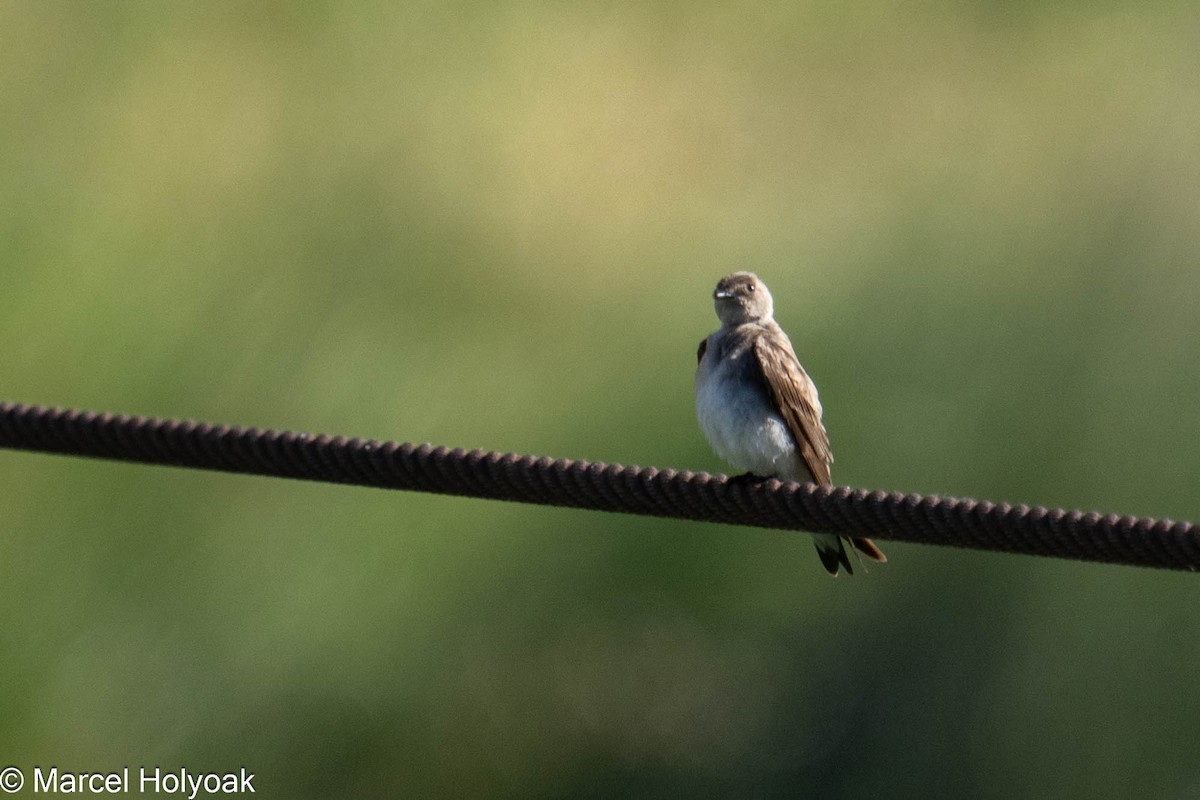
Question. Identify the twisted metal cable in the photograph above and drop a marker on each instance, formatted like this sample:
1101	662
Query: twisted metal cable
606	487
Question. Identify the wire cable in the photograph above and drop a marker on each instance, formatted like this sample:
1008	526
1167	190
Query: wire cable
955	522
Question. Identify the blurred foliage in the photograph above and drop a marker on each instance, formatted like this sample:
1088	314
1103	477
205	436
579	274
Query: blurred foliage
498	225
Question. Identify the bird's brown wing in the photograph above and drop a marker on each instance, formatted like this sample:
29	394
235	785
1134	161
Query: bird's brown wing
796	398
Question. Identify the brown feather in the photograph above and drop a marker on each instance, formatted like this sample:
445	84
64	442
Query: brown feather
868	548
796	398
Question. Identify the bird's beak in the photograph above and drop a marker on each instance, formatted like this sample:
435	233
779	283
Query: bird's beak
721	294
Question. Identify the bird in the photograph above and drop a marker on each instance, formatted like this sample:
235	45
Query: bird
759	409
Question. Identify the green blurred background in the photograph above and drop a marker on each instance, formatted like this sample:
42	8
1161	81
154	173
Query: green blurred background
498	225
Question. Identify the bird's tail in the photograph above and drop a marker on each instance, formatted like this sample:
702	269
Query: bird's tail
832	550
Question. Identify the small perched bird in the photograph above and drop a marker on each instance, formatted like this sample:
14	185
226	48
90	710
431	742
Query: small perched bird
758	407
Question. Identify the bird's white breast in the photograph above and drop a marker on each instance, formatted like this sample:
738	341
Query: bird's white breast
739	420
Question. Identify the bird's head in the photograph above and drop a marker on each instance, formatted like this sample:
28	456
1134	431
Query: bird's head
742	297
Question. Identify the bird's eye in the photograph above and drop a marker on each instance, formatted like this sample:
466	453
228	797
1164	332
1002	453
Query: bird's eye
751	287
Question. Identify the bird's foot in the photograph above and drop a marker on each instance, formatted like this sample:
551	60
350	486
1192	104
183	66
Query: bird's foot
747	477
